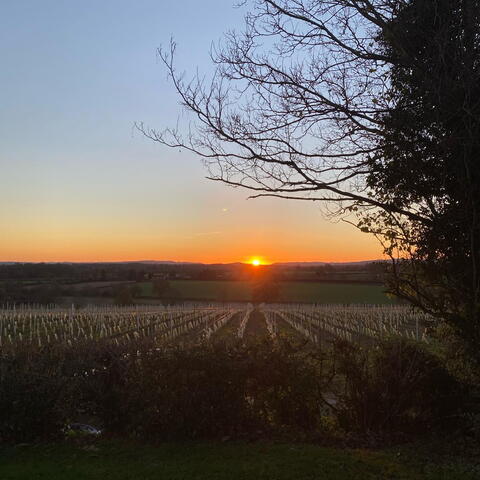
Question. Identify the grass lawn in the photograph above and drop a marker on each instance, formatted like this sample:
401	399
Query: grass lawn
310	292
205	290
232	461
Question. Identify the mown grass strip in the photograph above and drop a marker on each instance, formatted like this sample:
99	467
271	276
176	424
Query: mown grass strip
195	461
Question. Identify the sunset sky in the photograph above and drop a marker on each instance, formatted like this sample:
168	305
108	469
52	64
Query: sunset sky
78	183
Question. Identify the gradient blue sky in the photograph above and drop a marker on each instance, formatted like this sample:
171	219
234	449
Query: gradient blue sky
78	183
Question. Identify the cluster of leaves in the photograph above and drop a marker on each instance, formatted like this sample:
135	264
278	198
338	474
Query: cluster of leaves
427	161
394	389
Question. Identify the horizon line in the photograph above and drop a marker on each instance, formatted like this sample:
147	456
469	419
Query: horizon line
3	262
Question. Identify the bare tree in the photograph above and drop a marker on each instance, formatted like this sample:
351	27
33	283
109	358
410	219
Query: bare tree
370	106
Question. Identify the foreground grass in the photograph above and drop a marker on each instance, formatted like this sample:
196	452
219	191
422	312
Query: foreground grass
195	461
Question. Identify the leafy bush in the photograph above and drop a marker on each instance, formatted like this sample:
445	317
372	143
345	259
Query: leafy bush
41	390
286	385
235	390
33	392
209	391
394	388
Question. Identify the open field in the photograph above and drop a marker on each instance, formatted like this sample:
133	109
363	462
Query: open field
327	293
308	292
258	461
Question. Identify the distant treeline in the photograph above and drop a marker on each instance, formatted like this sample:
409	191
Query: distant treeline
94	272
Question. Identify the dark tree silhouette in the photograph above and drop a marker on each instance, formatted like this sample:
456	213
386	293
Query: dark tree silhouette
371	106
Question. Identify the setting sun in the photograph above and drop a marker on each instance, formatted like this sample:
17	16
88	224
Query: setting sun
257	261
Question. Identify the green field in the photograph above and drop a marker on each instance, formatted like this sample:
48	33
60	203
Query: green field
309	292
240	461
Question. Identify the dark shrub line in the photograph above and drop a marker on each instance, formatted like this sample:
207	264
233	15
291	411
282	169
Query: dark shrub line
393	390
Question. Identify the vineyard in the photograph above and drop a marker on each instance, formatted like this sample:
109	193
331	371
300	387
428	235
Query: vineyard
40	327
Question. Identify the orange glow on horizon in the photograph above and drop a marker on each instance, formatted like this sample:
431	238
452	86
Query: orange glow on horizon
93	243
97	192
99	255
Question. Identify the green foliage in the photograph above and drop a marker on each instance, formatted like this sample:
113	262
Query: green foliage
210	391
427	161
39	391
395	388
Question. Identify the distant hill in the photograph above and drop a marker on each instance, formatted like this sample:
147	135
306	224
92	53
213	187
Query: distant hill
171	262
318	264
277	264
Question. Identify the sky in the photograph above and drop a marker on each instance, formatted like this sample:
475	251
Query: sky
78	183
